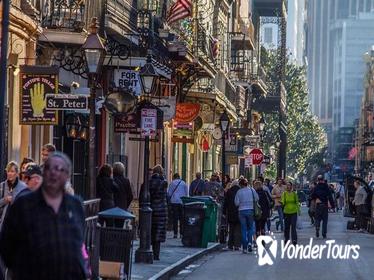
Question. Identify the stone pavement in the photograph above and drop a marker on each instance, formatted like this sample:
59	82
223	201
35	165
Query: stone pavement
173	258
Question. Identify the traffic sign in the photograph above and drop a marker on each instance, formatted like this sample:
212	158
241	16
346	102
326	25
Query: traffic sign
148	122
256	156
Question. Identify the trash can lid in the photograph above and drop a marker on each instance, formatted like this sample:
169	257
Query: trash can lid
116	213
195	204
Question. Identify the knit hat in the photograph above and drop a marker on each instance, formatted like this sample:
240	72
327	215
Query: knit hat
33	169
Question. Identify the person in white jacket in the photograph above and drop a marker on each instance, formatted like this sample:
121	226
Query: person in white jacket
360	202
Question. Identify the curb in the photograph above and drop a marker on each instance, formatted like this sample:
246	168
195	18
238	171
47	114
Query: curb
173	269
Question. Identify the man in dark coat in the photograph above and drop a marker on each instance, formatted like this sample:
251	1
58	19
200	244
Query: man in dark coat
123	197
197	185
232	215
322	195
158	192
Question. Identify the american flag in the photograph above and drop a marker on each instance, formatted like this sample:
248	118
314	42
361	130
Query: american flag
179	10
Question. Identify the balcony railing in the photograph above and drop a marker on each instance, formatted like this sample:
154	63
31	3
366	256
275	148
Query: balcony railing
204	44
120	16
64	15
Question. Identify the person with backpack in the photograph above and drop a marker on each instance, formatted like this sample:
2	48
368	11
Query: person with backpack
322	196
197	185
291	208
359	202
177	189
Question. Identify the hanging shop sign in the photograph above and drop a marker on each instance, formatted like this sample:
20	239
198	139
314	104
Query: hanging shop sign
36	83
74	102
181	129
186	112
231	158
148	122
127	78
125	123
167	105
205	141
231	144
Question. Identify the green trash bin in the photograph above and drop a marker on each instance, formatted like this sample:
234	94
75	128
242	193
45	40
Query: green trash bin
210	221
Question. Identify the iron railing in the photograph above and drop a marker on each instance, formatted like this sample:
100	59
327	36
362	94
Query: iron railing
64	15
91	234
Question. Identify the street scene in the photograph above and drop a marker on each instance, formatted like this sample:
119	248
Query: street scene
186	139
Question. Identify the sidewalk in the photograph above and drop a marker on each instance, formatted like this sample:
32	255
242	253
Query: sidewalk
173	258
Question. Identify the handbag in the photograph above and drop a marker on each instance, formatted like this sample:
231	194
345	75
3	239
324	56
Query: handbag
256	207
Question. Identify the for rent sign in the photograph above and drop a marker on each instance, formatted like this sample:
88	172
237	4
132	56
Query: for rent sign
127	77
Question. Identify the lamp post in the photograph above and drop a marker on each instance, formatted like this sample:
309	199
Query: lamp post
224	123
94	53
144	254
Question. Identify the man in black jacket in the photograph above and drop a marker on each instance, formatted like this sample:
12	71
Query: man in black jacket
322	195
232	215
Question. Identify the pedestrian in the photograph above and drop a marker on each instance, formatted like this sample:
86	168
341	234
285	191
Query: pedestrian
214	188
270	199
291	206
158	193
33	177
265	208
47	149
269	185
106	187
231	212
311	203
42	237
359	202
10	189
277	191
340	194
226	182
322	195
197	185
332	190
177	189
244	200
24	165
123	197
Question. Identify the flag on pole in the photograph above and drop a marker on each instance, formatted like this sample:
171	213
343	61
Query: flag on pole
179	10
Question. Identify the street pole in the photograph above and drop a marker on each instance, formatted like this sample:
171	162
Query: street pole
223	156
144	253
3	79
91	142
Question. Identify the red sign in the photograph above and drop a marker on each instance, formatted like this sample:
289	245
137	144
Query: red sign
256	156
186	112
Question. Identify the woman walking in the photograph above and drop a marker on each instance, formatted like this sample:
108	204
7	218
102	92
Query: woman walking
265	207
158	193
291	208
245	199
106	187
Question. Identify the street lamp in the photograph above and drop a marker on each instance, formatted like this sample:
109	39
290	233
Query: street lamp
94	53
224	123
144	254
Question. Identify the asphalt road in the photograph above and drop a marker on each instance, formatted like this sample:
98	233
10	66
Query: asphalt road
236	265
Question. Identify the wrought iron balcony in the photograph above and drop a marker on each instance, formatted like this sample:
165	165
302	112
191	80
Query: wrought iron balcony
204	45
120	17
64	15
243	37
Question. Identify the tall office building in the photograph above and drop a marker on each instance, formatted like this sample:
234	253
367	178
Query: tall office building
339	32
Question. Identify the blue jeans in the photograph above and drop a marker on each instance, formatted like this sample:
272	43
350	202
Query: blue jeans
280	215
246	222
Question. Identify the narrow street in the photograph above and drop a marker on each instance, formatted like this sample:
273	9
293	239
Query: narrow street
235	265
